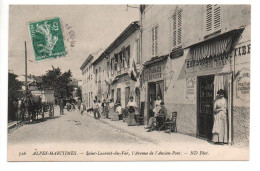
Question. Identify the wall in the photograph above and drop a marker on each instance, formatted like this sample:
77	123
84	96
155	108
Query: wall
193	27
241	90
125	81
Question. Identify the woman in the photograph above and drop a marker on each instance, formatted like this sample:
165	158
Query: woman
157	106
131	108
220	119
111	108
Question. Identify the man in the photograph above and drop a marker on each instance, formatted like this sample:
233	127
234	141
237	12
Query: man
61	107
96	110
162	116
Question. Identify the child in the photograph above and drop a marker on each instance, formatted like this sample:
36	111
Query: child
119	111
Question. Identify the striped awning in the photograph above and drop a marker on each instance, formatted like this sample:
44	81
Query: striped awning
213	48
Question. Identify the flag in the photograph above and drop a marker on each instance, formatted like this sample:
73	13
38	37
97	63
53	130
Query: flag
133	70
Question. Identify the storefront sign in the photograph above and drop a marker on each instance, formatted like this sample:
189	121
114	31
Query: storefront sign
210	62
153	73
190	88
243	84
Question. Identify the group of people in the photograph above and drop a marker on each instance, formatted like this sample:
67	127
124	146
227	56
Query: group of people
160	114
113	111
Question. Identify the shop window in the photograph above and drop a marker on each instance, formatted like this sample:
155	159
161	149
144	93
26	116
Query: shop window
177	28
213	18
154	40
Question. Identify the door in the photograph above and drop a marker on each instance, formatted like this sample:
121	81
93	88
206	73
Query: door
127	94
205	106
118	95
151	98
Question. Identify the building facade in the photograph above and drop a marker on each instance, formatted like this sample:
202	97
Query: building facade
113	67
189	52
87	82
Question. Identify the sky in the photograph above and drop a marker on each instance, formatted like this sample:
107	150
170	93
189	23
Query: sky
94	26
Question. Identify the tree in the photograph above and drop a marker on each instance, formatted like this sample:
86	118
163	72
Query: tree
79	93
59	82
14	87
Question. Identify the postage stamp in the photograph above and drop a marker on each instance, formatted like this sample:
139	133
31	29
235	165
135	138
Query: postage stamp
47	39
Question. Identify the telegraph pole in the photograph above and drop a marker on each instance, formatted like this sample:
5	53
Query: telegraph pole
26	87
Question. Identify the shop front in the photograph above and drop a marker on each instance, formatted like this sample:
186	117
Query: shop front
122	88
153	87
211	64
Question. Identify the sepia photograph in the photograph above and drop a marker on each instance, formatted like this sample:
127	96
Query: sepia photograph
130	82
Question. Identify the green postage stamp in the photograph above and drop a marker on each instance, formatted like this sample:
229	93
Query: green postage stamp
47	39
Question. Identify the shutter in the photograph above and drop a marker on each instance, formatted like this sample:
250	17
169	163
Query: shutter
174	30
216	17
152	41
179	27
208	18
156	41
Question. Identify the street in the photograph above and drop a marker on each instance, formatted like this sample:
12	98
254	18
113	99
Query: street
71	127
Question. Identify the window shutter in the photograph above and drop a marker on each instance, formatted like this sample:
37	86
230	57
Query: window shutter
152	41
208	18
156	41
174	30
216	17
179	27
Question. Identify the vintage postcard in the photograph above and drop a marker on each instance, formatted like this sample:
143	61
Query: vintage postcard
129	82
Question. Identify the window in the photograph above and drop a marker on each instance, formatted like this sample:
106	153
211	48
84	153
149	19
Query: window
112	65
177	28
118	95
213	18
116	62
138	50
123	58
112	95
96	76
155	41
127	57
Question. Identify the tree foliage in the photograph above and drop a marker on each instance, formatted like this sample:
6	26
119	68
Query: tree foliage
59	82
14	86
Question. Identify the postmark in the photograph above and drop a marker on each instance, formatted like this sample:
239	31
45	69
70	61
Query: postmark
47	39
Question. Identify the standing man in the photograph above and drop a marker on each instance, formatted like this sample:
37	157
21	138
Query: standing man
95	109
61	107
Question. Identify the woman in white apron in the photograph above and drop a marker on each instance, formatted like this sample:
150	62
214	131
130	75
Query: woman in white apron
219	130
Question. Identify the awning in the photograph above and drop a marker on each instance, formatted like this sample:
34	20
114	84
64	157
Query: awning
155	60
216	46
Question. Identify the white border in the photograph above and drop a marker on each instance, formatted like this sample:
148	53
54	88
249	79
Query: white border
254	121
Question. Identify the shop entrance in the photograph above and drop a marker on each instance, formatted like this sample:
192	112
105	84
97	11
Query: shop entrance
205	99
154	89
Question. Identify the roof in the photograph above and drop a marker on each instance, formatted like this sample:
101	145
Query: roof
124	35
89	58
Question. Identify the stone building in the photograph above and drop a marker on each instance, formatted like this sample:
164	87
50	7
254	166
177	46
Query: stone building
113	67
188	53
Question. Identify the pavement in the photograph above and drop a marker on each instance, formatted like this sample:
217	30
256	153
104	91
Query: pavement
85	132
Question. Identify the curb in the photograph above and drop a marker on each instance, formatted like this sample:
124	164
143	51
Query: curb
13	125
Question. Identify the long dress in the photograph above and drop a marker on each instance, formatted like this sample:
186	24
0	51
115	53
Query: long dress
220	129
131	115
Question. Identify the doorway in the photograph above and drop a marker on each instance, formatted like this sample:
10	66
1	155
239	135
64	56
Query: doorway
154	89
205	99
127	95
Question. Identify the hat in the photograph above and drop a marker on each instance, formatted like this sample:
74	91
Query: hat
221	91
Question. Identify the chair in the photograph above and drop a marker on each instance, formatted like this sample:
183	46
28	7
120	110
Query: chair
171	124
